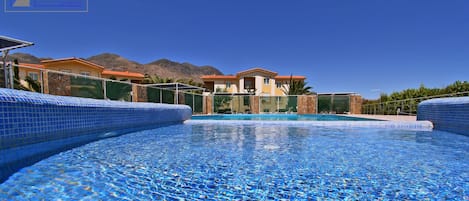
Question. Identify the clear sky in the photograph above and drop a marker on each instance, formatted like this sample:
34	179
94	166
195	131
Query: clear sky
363	46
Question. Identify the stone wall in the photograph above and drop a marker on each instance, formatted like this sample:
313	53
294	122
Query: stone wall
59	84
355	104
307	104
141	94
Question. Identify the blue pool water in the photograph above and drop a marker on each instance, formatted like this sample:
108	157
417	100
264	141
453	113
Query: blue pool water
196	161
289	117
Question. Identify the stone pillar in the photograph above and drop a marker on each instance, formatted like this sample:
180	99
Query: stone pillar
142	94
134	93
314	103
45	82
207	105
307	104
254	104
355	104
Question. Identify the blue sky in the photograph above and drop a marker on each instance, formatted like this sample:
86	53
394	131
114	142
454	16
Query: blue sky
364	46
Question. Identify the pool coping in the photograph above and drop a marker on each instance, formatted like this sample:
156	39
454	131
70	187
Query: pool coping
401	125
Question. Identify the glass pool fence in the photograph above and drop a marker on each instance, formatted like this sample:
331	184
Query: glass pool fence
77	85
403	107
247	104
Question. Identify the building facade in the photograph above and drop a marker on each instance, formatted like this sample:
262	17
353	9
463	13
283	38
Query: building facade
255	81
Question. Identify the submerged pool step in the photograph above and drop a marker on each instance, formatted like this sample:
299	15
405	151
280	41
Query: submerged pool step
402	125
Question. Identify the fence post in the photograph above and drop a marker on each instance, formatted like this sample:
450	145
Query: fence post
104	90
11	79
42	80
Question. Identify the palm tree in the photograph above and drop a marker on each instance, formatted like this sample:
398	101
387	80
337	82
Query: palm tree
297	87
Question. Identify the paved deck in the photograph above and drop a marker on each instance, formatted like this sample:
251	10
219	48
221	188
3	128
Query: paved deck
385	117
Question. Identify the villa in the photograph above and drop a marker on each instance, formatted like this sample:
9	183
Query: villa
255	81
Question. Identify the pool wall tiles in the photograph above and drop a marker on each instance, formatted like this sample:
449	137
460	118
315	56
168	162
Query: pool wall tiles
447	114
28	118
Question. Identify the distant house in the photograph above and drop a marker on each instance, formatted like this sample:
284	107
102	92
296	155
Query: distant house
256	81
77	66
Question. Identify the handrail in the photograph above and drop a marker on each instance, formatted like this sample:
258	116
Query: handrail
425	97
405	106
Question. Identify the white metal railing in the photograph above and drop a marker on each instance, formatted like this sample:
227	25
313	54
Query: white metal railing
405	106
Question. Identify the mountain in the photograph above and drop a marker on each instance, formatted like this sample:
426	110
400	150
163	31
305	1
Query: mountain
164	68
25	58
116	62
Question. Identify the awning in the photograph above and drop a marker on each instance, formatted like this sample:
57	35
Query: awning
7	43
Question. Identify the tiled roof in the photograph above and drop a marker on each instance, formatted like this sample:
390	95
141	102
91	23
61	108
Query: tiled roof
253	70
123	74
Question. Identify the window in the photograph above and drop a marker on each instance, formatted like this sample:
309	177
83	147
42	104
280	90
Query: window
85	73
248	83
278	84
266	80
34	75
228	84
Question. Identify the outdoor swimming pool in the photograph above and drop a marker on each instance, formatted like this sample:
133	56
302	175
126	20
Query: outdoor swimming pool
204	161
282	117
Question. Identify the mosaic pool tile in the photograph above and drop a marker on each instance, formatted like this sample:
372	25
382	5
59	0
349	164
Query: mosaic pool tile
448	114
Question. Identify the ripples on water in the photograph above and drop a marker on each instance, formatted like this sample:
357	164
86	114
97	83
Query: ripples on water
223	162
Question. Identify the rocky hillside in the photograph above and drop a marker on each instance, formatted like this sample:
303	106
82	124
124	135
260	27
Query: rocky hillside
25	58
163	67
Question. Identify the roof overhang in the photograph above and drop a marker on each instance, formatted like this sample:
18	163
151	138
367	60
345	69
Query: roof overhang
256	70
218	77
73	59
7	43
